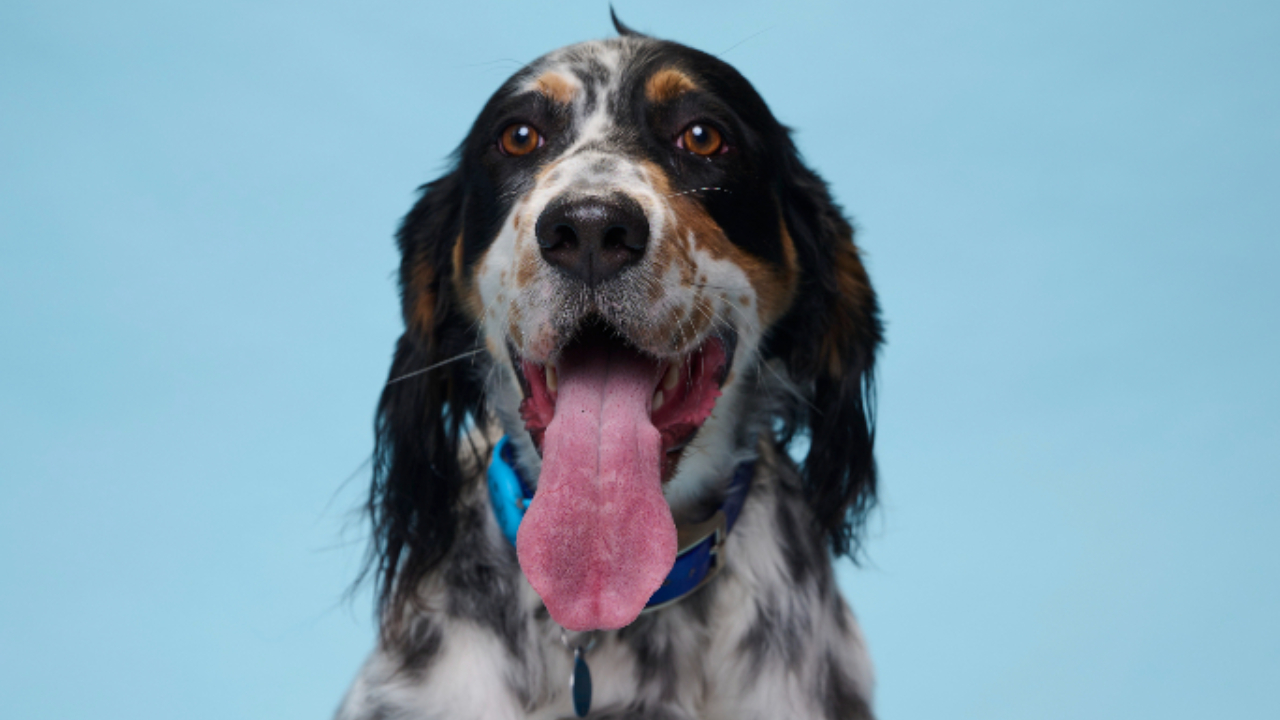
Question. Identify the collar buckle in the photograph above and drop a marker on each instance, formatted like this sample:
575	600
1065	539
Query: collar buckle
689	536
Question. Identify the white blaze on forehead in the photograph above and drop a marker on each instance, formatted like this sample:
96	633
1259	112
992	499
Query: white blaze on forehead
598	173
594	122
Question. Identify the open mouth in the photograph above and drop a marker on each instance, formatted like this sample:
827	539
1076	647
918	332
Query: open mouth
683	391
611	423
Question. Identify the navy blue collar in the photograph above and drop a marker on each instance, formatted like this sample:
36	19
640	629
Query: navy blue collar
699	546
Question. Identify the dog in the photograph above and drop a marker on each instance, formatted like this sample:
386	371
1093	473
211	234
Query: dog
631	276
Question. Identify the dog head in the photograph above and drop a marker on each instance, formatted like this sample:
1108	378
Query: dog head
631	267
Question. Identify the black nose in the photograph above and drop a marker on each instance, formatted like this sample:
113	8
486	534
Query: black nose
593	238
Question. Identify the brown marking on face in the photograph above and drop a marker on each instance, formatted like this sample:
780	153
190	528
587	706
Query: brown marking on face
647	334
457	257
463	286
703	312
513	327
851	316
556	87
516	335
676	315
674	250
517	213
788	246
668	84
683	324
526	270
774	286
654	291
422	280
683	252
677	247
542	345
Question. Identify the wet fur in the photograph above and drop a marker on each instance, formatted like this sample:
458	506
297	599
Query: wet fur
463	635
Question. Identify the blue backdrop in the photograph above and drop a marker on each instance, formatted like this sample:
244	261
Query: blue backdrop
1069	210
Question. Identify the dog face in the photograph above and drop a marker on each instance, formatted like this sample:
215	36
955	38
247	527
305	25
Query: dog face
626	195
653	278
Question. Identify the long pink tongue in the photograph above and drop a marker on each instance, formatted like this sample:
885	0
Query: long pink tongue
598	538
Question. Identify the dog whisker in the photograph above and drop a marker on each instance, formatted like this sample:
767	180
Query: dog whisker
442	363
701	189
756	352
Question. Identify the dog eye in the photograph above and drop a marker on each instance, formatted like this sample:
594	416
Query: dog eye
519	139
701	139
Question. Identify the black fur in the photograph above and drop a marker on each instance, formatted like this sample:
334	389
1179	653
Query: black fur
621	27
420	645
839	415
775	634
655	662
421	420
480	584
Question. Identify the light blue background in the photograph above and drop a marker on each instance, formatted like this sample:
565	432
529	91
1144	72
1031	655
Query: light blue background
1069	210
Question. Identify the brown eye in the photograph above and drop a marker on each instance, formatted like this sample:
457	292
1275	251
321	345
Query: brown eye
519	139
701	139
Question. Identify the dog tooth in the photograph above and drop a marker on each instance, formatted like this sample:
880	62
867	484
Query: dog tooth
657	400
672	377
552	380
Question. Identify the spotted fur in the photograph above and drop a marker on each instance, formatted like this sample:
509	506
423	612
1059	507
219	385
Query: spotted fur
744	243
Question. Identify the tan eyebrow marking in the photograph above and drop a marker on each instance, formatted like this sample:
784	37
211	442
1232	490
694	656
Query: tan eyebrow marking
556	87
668	84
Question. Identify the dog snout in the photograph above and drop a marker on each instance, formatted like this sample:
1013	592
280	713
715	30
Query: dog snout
593	238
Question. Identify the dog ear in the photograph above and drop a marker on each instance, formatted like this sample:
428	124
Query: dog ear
422	416
829	340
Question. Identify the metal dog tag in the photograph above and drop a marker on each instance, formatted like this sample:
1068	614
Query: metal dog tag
580	683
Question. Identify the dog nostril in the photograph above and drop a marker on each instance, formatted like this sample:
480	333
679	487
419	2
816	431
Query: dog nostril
561	234
616	238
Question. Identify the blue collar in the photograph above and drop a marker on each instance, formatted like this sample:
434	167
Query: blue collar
698	546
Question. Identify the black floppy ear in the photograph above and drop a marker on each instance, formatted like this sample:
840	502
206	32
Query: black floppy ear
829	341
422	415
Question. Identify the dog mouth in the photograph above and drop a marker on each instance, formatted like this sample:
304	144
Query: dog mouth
683	394
611	423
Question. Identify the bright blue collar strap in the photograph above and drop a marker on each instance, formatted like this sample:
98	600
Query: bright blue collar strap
508	493
698	557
